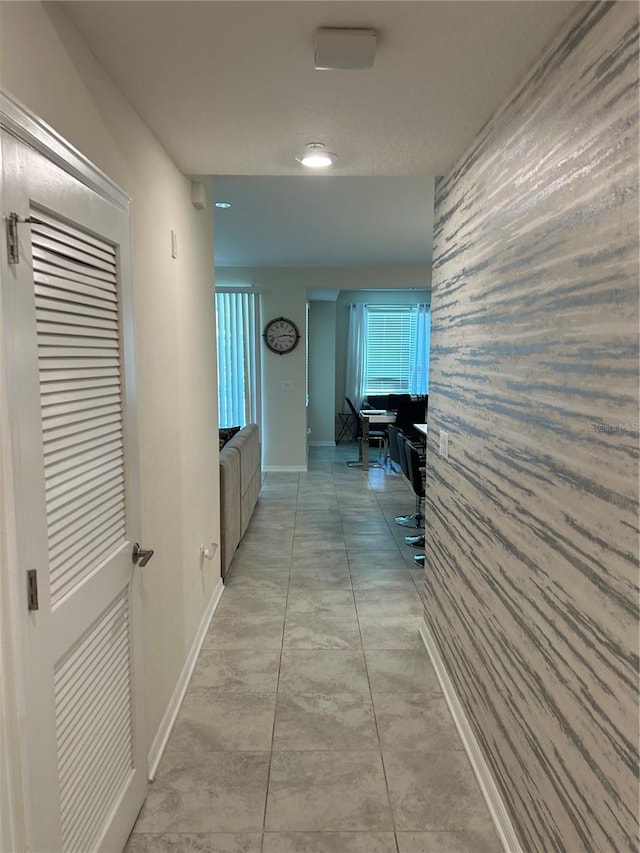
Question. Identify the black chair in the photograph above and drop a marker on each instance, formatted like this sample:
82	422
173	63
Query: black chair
396	401
394	449
411	412
416	480
374	401
376	435
417	519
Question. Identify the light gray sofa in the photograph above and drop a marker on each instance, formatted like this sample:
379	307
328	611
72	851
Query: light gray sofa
240	481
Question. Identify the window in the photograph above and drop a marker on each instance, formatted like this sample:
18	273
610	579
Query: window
238	357
397	349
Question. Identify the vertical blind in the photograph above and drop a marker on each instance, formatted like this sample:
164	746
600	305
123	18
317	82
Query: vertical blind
238	358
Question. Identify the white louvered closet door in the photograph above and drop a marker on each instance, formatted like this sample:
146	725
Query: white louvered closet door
72	399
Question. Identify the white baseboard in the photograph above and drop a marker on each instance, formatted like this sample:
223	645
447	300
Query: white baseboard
171	712
287	469
321	443
489	789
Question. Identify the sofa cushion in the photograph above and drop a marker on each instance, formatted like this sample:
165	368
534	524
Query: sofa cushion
225	434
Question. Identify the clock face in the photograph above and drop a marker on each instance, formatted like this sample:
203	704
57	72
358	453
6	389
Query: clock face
281	335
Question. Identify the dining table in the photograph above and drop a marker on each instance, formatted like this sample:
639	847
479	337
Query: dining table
372	416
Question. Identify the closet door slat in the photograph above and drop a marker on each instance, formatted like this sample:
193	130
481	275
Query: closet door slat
79	362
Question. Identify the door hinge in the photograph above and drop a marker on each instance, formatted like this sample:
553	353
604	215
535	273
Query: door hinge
13	249
32	589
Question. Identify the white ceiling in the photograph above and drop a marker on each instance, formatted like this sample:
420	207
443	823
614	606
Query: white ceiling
324	221
229	89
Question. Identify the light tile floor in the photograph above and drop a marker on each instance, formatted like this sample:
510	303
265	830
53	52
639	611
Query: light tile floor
314	722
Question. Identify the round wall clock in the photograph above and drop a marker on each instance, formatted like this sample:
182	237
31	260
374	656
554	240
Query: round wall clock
281	335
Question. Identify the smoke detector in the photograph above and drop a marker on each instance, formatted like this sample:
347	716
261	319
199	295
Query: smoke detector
344	49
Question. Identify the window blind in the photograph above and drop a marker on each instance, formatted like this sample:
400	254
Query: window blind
238	358
391	348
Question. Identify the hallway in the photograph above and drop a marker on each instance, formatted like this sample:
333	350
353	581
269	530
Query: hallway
314	722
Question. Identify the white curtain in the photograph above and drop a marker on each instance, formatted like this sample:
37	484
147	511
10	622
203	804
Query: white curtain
420	377
355	379
239	397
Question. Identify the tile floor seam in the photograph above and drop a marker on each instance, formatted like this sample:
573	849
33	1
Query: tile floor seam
275	709
375	716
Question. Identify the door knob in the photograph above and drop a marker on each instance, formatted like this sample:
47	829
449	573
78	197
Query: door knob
140	555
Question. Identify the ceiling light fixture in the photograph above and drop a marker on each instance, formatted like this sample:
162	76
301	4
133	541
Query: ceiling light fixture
223	205
315	156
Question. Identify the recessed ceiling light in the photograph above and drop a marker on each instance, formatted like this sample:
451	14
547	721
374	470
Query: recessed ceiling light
315	156
223	205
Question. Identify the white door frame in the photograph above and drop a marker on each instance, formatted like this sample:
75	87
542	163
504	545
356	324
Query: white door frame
21	123
11	792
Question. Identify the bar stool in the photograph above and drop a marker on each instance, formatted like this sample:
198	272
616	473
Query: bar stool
394	450
417	519
416	481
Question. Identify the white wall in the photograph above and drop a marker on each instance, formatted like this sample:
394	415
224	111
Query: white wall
284	419
47	66
367	278
322	373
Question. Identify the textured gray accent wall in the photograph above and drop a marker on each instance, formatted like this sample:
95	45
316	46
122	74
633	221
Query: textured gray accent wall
532	522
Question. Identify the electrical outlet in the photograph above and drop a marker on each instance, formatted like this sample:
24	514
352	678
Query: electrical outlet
443	449
287	385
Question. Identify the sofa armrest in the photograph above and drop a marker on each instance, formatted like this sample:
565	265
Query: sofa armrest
247	442
230	522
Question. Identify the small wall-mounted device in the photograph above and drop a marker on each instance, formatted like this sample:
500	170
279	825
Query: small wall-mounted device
198	196
208	551
174	244
344	49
